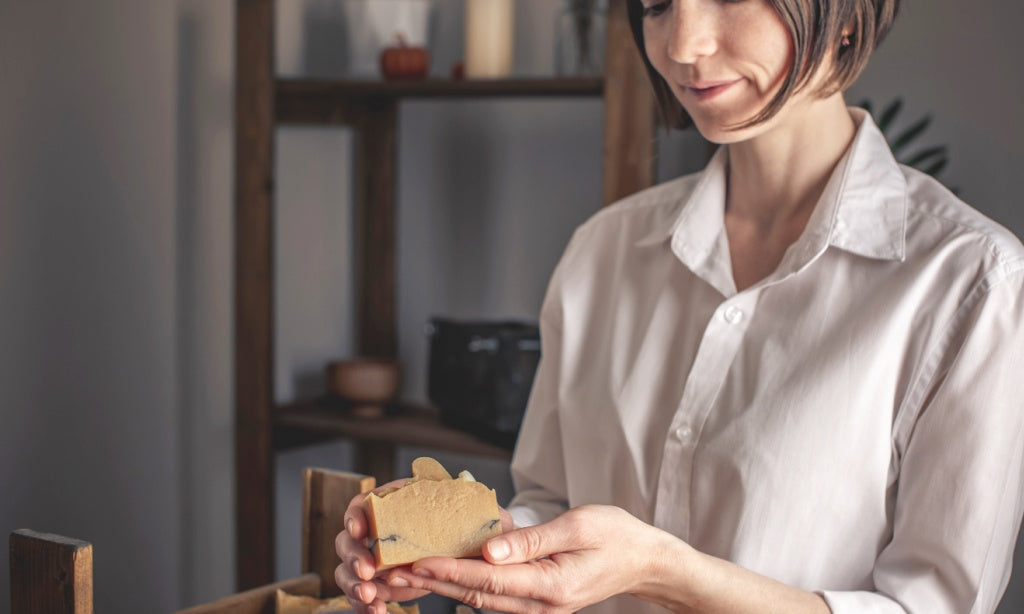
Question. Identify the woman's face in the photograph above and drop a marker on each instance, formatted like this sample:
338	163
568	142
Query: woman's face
723	59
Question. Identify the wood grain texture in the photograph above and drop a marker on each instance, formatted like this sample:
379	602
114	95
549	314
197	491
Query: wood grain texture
326	495
371	108
261	600
331	102
375	228
376	458
254	330
50	574
629	122
415	426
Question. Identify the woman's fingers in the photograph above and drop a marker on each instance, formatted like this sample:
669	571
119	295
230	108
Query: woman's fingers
507	523
357	574
473	582
566	533
354	554
371	596
355	518
360	593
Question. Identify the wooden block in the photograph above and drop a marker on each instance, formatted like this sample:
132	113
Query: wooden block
261	600
50	574
326	495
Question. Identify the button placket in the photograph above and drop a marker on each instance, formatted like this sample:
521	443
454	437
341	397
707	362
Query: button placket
721	341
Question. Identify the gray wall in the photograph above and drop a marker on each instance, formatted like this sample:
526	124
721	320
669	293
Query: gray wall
115	248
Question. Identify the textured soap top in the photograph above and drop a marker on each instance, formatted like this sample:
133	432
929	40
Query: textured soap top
431	515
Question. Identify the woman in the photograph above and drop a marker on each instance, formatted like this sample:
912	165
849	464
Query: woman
790	383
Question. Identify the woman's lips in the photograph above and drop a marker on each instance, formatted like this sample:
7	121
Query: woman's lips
706	90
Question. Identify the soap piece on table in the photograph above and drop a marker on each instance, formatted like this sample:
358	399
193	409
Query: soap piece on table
302	604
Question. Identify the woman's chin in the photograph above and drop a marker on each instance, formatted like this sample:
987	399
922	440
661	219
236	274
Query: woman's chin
720	134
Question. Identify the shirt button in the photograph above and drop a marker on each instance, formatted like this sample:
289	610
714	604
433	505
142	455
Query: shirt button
684	433
733	315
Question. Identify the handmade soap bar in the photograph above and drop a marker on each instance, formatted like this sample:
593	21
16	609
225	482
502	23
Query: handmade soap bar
431	515
301	604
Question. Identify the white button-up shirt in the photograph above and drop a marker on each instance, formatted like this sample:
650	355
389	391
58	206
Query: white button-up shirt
850	425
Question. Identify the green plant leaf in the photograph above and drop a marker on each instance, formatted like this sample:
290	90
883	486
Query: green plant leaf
925	155
910	134
936	168
889	114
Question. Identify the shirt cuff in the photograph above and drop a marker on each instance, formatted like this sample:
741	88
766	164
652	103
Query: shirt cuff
860	602
537	513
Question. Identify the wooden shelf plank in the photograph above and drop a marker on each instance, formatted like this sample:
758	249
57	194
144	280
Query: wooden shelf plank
442	88
415	425
325	101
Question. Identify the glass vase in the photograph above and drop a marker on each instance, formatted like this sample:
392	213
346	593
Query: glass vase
580	38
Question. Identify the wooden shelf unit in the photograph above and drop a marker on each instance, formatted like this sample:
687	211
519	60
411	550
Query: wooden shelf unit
370	108
413	425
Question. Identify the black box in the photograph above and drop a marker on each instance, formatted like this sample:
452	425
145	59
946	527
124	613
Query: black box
480	375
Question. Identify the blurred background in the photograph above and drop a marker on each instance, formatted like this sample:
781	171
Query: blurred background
116	188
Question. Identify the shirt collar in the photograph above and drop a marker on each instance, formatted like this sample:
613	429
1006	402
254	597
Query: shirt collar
862	210
868	193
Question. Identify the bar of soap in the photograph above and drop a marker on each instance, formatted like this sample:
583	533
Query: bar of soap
431	515
302	604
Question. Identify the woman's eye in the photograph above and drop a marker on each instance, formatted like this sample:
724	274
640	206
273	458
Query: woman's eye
655	9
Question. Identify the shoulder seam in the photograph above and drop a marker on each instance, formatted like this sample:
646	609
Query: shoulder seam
910	409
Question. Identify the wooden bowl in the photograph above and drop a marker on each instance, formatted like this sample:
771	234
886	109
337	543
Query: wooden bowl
364	380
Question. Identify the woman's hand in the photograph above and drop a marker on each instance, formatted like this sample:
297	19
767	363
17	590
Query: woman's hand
580	558
357	575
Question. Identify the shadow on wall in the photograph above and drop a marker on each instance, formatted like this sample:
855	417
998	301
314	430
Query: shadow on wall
187	196
202	246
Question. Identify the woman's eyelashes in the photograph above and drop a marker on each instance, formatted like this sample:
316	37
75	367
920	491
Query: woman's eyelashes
658	8
655	9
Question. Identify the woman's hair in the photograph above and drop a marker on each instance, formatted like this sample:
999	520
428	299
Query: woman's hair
816	29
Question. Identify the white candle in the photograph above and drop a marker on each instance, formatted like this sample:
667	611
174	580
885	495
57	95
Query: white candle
490	28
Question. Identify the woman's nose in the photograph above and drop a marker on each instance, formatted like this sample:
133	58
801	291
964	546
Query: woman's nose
692	33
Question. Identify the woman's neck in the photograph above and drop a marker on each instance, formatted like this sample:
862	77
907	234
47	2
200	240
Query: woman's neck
776	178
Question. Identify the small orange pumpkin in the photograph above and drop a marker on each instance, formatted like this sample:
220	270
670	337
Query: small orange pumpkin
404	62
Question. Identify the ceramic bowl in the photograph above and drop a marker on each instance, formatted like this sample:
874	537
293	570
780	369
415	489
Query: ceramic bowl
364	380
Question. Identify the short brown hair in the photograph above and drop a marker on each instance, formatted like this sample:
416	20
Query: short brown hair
815	27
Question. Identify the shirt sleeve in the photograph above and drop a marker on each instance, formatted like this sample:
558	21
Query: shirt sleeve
960	493
538	470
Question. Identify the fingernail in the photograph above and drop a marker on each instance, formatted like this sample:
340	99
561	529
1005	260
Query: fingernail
398	581
359	593
423	573
349	524
498	550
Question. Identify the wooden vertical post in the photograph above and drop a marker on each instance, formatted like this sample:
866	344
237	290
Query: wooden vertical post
376	175
376	458
50	574
375	225
629	112
254	323
325	497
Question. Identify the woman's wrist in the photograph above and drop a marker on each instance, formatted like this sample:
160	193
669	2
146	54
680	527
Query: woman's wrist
682	579
669	571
